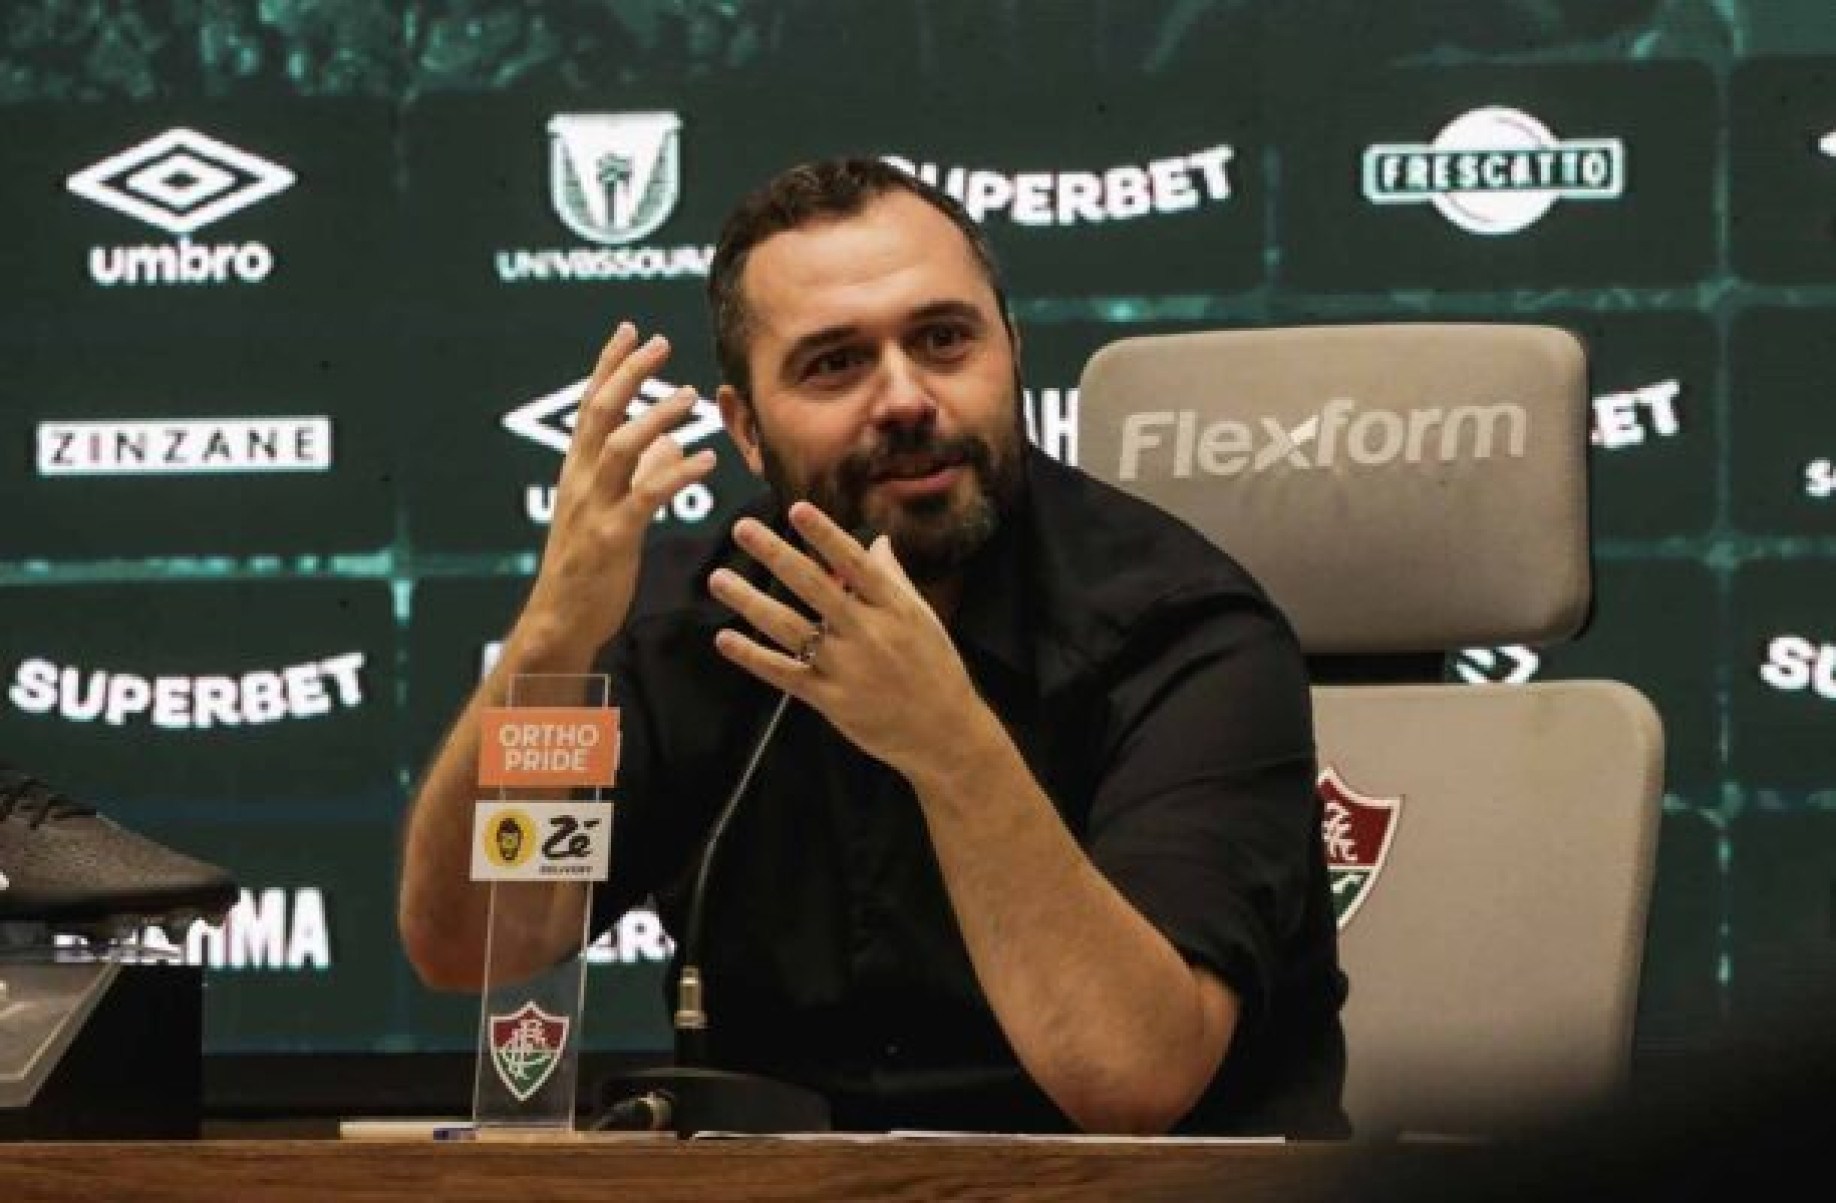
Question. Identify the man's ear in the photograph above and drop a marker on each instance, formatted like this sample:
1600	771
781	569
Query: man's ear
742	426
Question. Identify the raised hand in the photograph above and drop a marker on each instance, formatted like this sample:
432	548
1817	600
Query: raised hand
616	475
879	666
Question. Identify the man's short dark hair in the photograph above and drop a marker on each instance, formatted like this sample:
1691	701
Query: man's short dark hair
799	196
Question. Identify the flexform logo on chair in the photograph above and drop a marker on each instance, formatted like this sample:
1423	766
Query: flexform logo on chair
1340	432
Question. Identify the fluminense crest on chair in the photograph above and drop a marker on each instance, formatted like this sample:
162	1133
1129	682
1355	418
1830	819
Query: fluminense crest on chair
1356	829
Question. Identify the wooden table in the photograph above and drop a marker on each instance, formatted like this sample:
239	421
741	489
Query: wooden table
642	1170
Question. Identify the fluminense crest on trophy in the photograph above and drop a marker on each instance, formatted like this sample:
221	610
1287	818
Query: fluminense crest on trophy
526	1047
1357	830
614	177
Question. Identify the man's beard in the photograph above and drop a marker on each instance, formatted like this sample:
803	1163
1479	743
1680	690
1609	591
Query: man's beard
933	537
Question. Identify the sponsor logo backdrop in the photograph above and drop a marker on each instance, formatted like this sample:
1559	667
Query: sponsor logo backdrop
411	252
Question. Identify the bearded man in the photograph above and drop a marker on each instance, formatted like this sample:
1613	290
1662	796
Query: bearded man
1037	847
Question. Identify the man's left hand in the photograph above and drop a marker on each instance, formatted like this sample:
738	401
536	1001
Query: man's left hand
880	666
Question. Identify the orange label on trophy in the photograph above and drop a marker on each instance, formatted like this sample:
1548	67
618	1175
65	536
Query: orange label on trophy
548	745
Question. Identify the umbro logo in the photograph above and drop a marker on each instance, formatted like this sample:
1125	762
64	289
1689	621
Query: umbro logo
1513	664
180	181
550	420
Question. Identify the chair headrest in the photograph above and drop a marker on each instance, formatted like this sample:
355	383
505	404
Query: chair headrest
1396	488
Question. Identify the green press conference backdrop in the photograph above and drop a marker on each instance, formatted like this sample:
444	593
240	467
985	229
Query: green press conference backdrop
300	296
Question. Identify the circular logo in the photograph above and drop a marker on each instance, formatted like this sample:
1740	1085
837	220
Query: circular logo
1489	211
509	838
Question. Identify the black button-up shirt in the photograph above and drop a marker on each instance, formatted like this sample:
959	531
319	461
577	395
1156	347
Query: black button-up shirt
1161	702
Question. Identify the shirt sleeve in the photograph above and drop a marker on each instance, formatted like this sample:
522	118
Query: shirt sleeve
1205	817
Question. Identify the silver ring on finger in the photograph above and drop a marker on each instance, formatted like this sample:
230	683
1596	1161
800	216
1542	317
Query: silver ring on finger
806	651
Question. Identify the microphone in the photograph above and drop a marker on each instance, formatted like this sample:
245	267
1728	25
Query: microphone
691	1018
690	1097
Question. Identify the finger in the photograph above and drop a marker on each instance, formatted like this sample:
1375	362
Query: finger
776	669
800	574
890	572
781	623
623	340
847	560
626	446
654	487
658	455
604	404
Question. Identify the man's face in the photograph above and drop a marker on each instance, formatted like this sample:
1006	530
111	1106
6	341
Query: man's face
885	387
509	840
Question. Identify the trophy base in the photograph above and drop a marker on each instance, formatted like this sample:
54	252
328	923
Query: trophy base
689	1101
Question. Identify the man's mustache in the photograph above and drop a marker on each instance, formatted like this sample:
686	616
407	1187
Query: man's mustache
911	453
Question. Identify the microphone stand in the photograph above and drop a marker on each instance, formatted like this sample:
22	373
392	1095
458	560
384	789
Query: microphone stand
691	1097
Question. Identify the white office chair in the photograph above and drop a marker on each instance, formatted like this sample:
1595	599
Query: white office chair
1403	491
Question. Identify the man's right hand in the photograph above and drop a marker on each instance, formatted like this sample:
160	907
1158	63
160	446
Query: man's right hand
616	476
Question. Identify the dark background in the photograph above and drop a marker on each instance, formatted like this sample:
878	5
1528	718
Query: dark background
417	132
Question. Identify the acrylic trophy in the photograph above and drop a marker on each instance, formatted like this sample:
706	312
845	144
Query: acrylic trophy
539	846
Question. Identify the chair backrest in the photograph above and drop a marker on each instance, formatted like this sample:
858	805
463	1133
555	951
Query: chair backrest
1411	488
1494	962
1395	487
